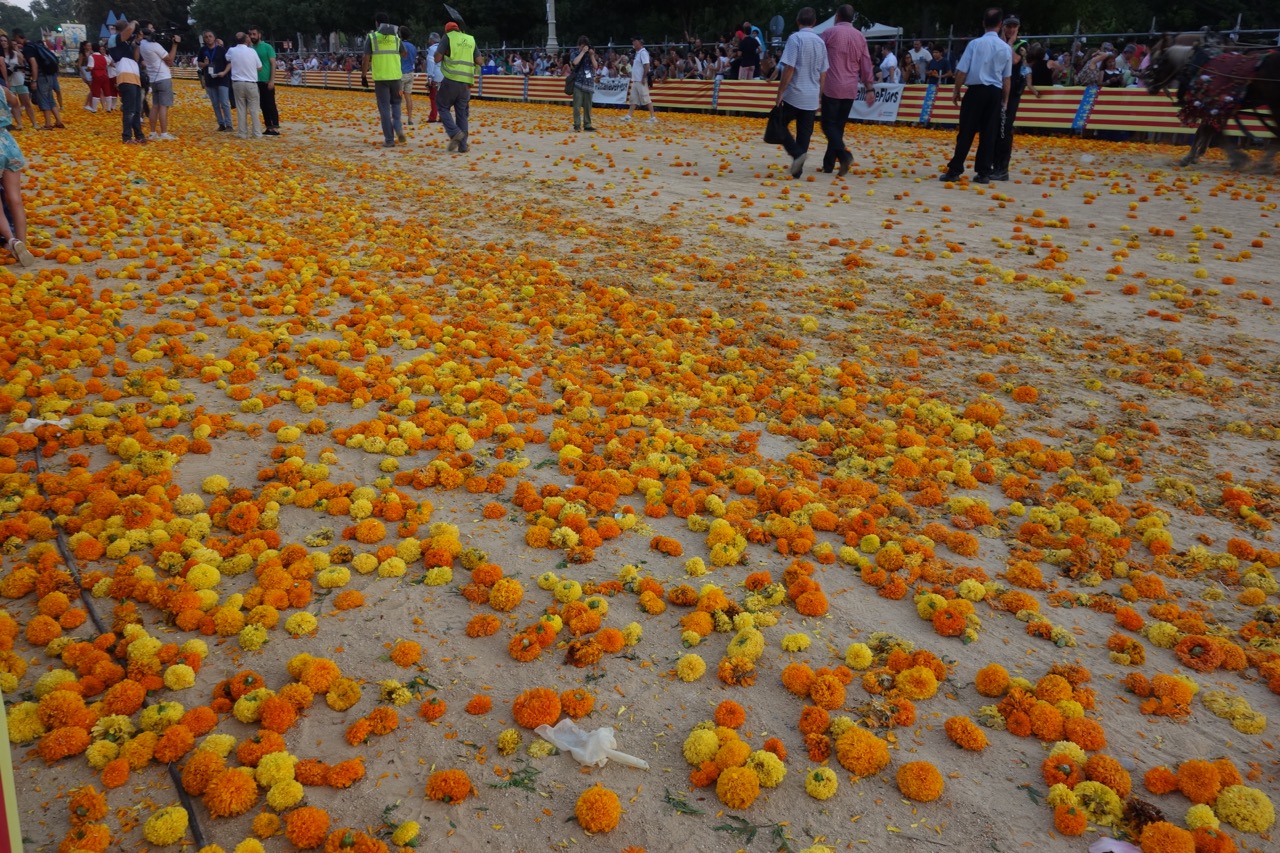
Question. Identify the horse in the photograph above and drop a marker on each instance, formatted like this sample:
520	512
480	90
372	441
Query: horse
1239	83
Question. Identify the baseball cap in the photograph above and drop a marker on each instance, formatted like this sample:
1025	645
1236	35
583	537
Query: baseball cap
1012	20
450	27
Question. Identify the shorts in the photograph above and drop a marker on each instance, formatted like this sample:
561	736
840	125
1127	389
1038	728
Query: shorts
406	83
11	159
162	92
639	94
44	92
20	89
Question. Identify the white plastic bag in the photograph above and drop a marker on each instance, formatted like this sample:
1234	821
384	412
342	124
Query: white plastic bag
593	748
1112	845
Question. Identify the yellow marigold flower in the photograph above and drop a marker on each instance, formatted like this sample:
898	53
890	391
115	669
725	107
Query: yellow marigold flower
1071	750
392	567
1060	795
160	716
51	681
1201	815
567	591
971	590
100	752
254	637
691	667
248	708
166	826
405	834
285	795
509	741
917	683
214	484
274	768
694	567
541	748
701	745
632	633
204	576
821	783
548	580
334	577
301	624
1246	809
179	677
219	744
747	644
768	767
364	563
1101	804
869	544
795	642
439	576
249	845
858	656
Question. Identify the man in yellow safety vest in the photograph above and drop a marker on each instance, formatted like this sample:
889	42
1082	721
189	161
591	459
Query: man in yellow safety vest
460	63
382	53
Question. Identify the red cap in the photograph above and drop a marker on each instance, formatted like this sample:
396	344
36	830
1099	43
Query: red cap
450	27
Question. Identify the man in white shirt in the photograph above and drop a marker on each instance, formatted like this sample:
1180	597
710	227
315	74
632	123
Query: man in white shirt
245	63
804	71
987	66
920	56
434	74
639	93
158	61
889	71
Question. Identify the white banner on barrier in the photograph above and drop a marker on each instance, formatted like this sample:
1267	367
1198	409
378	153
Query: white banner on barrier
888	97
611	90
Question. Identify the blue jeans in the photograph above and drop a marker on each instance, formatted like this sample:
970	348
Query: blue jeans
388	92
454	99
220	97
131	110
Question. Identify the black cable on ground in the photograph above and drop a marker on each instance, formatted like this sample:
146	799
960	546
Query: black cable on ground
64	550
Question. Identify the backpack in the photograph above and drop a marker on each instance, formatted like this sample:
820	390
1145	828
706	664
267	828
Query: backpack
46	60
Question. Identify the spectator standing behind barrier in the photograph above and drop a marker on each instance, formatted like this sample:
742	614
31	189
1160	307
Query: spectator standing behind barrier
638	94
266	82
938	71
585	67
217	79
434	75
748	54
157	61
129	81
245	65
1018	82
920	56
889	70
804	71
986	66
849	63
383	51
459	62
408	65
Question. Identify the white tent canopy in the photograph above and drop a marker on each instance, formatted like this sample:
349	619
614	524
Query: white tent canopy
875	31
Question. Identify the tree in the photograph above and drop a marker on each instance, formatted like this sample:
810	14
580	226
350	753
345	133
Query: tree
15	17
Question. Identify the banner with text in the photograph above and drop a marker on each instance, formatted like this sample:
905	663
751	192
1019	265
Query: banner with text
611	90
888	98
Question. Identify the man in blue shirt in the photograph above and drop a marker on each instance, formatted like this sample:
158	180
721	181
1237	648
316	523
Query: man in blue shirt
987	65
408	65
217	79
804	70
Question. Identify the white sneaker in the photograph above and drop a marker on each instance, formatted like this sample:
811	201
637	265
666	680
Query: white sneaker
21	252
90	110
168	136
653	119
626	118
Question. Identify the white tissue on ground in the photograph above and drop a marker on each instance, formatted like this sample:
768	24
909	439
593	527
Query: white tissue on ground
593	748
1113	845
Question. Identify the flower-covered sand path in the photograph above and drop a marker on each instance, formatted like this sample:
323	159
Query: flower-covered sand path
872	513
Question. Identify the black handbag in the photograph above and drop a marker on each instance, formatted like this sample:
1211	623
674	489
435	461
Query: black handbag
775	130
569	84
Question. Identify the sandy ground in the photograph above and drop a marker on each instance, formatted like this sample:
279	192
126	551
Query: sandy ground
1080	277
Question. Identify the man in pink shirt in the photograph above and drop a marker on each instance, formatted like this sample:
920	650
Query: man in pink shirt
850	63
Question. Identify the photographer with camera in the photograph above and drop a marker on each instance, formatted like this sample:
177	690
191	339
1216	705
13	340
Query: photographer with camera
124	54
584	67
158	60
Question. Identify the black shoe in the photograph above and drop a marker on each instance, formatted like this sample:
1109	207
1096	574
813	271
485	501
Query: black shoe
982	179
846	160
577	129
589	129
1000	176
388	145
270	133
950	176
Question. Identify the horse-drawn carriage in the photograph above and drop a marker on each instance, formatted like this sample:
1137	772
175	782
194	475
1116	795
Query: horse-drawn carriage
1216	86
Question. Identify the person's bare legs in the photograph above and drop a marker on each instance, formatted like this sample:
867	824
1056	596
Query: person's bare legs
29	107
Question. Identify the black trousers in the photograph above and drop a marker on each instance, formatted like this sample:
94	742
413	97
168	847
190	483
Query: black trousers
1004	145
835	115
979	116
270	115
798	144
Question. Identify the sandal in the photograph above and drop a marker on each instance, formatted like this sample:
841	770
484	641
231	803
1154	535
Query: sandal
21	252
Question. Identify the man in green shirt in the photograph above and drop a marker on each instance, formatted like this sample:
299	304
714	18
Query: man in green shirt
266	82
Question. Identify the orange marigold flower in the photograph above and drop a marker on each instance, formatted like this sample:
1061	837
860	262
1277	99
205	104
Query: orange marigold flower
797	678
1200	653
861	753
1085	733
344	774
1199	781
432	709
479	705
306	827
814	720
1069	821
199	770
449	786
115	773
406	653
1108	771
535	707
231	793
62	743
576	703
598	809
777	747
992	680
524	647
1210	840
730	714
1163	837
738	787
86	805
965	734
1160	780
920	781
483	625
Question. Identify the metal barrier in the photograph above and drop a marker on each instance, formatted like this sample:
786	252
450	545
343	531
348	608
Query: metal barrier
1069	108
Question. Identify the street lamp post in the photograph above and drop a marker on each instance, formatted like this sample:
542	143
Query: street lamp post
553	46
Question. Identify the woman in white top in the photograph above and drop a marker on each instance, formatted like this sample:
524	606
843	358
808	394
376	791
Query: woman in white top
15	65
889	71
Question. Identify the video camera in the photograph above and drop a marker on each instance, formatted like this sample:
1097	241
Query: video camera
173	32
